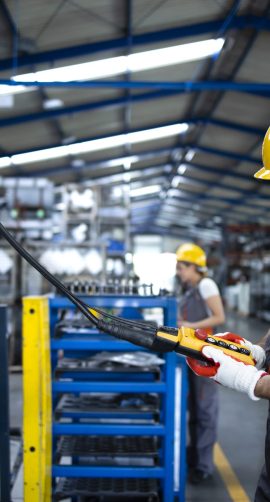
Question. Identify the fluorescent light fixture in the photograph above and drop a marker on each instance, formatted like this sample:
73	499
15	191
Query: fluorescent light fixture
168	168
14	89
5	161
127	164
182	169
173	192
93	145
163	194
137	192
60	206
126	177
77	163
51	104
122	161
190	154
104	68
175	181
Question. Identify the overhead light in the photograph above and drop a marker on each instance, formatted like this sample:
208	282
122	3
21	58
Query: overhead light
217	219
126	177
129	258
117	192
51	104
182	169
173	192
5	161
137	192
175	181
60	206
163	194
127	164
121	161
68	140
93	145
190	154
77	163
103	68
168	168
14	89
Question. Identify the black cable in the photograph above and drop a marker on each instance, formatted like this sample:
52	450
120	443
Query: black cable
120	328
43	271
128	322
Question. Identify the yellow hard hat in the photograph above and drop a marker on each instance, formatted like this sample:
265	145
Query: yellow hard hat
192	253
264	172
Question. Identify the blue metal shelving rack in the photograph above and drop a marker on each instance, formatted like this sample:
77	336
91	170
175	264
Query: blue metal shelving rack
82	345
5	477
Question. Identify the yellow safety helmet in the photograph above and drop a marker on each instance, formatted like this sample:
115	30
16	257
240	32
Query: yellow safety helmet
264	172
191	253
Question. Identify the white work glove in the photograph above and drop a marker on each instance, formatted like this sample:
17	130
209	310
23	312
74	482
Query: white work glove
232	373
257	352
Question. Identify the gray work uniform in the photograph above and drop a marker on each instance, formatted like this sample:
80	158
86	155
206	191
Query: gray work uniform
263	488
202	396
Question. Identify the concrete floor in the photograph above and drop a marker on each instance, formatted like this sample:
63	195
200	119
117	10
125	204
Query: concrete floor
242	426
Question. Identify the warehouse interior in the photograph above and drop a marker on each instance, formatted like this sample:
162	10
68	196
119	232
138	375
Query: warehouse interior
128	129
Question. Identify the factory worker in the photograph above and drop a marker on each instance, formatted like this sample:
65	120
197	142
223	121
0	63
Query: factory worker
254	381
199	307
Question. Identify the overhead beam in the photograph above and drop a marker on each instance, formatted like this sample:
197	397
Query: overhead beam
119	102
186	196
191	30
145	155
256	88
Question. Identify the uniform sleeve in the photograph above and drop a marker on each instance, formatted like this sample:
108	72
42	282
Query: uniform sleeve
208	288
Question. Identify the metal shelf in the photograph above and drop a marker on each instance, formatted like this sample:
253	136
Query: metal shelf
107	446
113	489
94	432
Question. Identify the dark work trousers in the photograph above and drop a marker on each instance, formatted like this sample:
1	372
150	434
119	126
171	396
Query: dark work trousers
202	396
263	489
203	415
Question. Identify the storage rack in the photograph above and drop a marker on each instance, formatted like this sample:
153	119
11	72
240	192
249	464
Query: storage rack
5	477
60	425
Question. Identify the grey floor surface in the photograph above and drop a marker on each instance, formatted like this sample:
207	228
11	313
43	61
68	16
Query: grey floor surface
241	429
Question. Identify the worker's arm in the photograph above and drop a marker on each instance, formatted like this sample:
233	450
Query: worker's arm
216	318
234	374
262	388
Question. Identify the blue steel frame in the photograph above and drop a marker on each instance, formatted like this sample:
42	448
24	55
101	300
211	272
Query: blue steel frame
5	478
95	341
238	22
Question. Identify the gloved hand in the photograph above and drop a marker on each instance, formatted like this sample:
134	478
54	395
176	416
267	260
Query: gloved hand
257	352
228	372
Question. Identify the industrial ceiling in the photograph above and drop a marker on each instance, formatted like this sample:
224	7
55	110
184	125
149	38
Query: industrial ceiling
199	177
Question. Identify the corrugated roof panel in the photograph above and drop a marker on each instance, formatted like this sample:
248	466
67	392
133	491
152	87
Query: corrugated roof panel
224	193
27	136
149	16
154	145
201	175
259	202
246	184
247	168
227	139
24	103
243	108
157	111
213	160
219	204
49	24
255	67
74	96
93	123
